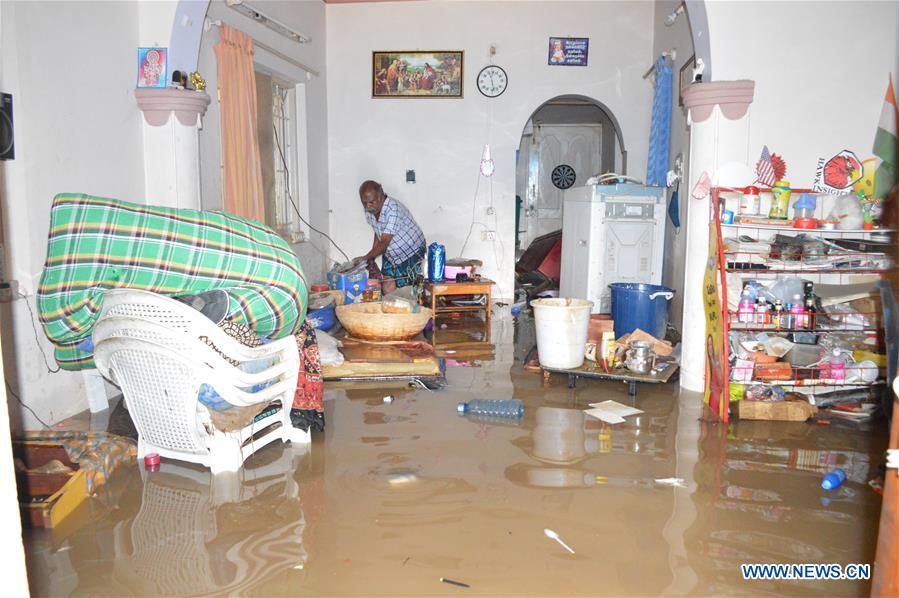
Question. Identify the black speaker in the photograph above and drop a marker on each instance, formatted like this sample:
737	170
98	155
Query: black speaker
7	141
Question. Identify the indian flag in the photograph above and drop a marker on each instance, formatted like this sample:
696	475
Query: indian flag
885	145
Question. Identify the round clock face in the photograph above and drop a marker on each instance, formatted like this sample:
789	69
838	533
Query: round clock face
492	81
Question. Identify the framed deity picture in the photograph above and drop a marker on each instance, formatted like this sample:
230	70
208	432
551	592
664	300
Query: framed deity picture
686	77
417	74
568	51
151	67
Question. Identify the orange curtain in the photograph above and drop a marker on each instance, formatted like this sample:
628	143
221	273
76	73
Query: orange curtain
242	172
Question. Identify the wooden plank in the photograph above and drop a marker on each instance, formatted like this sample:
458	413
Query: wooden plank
40	484
886	561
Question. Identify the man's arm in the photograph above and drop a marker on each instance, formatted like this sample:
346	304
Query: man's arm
378	247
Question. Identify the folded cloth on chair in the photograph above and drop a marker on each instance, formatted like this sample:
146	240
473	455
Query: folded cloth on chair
97	244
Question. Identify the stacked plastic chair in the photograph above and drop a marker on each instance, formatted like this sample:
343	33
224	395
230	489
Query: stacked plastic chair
157	350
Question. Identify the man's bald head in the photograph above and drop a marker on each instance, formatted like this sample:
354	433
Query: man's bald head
372	196
370	186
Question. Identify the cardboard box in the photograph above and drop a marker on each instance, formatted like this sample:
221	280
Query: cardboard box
786	411
352	284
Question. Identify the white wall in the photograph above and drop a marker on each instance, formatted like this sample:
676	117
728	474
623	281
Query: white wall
307	17
820	70
664	38
71	69
442	139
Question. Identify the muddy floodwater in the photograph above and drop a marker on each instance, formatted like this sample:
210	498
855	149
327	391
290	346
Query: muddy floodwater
395	496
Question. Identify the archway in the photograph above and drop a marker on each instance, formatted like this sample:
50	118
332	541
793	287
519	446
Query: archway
565	141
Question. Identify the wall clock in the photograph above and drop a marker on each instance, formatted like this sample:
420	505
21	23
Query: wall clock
492	81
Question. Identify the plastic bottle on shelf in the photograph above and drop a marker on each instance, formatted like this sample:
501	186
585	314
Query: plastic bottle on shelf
834	479
797	311
746	308
786	321
780	200
761	312
492	407
750	202
777	315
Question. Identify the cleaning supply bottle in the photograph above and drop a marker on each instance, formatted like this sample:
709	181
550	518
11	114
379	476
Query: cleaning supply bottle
834	479
746	308
787	318
797	312
492	407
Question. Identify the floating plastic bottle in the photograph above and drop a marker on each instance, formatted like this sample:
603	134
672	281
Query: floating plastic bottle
492	408
834	479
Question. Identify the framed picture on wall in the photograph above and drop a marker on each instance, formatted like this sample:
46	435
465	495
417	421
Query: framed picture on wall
151	67
686	77
417	74
568	51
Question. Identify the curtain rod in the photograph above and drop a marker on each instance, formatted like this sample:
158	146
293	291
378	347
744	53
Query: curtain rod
209	23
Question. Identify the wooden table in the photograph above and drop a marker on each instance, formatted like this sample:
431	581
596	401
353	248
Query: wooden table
449	288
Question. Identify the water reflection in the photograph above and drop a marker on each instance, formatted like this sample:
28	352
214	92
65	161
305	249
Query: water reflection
185	531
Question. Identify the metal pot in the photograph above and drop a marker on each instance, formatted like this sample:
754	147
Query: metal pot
639	358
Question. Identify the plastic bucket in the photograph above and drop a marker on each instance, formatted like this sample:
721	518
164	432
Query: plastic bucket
561	331
643	306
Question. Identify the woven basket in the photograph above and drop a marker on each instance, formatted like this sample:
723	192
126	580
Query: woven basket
368	322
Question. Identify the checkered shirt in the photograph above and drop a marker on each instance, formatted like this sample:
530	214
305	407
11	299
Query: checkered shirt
396	220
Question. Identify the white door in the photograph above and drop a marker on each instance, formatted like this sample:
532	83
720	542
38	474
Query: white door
561	156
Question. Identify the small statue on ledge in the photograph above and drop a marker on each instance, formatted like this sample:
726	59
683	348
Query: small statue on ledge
198	81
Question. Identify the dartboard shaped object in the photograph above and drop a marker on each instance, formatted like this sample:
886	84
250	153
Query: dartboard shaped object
563	176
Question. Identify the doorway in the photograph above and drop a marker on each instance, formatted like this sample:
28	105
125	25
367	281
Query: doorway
565	142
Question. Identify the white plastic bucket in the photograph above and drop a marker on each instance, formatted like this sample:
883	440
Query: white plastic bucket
561	331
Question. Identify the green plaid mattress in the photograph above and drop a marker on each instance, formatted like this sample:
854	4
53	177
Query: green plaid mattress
97	244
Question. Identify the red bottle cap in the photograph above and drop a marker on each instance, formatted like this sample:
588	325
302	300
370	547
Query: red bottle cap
751	190
151	460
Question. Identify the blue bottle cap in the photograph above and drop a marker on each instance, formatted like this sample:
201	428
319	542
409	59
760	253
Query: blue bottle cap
461	408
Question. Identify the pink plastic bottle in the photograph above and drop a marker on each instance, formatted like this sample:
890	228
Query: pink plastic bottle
799	313
746	308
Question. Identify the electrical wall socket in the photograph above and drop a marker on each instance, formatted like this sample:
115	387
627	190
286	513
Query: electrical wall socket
9	290
488	235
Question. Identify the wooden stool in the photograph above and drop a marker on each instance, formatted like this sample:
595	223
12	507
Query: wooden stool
448	288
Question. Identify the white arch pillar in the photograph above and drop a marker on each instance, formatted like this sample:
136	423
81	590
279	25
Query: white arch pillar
719	133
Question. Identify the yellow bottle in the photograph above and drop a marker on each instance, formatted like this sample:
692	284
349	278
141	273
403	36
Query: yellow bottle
780	200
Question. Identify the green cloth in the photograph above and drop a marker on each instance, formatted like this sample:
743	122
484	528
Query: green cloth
97	244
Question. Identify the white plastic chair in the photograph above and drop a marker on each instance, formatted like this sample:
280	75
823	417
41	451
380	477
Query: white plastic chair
152	347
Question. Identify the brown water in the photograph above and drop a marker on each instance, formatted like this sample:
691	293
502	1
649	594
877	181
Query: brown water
395	496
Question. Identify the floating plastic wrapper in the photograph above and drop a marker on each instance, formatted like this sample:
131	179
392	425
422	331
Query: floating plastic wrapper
436	261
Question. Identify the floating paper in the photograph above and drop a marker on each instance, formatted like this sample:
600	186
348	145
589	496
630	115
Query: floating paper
611	412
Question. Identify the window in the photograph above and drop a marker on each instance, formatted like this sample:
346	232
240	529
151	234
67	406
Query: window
282	153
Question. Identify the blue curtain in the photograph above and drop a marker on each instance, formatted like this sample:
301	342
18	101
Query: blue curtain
660	130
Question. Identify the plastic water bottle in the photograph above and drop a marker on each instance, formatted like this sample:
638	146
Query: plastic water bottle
492	407
834	479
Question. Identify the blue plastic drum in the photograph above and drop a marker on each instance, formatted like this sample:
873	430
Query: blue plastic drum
639	305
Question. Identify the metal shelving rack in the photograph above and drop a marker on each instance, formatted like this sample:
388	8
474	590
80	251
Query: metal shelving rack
854	265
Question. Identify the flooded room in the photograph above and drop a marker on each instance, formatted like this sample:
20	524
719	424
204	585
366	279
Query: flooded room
449	297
